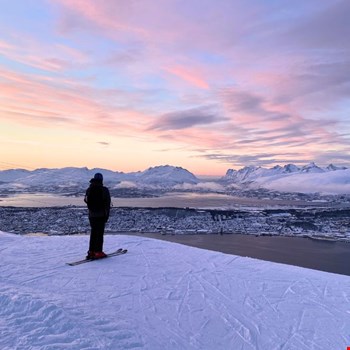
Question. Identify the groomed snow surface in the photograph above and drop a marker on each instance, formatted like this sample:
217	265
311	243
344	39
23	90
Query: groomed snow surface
163	295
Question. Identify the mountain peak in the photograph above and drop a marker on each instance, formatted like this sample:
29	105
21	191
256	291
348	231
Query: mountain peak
290	168
311	168
166	175
332	167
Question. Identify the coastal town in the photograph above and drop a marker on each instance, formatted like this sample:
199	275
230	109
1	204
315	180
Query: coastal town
316	223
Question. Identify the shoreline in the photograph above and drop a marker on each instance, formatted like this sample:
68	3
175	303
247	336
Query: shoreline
318	238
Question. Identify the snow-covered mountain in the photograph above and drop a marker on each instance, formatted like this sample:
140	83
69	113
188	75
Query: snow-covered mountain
312	168
160	176
288	178
291	178
12	175
63	177
332	182
251	173
166	175
334	167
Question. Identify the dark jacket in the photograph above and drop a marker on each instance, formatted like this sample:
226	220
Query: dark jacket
98	200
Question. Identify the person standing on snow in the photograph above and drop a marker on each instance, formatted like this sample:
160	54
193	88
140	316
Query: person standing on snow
98	200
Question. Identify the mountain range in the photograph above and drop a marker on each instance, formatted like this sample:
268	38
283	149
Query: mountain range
309	178
287	178
252	173
159	176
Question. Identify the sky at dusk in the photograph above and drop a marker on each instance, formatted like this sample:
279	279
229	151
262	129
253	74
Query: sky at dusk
202	84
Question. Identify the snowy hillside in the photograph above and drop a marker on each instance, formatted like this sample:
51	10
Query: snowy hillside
163	296
290	178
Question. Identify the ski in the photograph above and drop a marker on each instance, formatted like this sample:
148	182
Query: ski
120	251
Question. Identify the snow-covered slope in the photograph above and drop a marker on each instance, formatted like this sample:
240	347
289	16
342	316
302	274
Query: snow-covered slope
163	296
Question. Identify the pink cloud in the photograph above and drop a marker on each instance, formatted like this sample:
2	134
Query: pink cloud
5	45
165	25
49	57
47	102
108	16
189	76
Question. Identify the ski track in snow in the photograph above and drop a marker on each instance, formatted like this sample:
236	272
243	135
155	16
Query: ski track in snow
163	295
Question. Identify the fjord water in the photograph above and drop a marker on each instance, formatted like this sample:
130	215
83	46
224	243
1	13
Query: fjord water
174	200
304	252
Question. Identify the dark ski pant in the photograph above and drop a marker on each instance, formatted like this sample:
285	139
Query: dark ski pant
96	236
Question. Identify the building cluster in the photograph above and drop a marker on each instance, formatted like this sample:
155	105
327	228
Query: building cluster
318	223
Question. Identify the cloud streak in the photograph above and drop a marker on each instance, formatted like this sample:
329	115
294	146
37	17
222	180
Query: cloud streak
187	119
